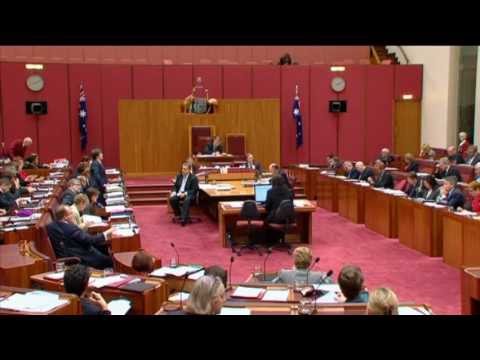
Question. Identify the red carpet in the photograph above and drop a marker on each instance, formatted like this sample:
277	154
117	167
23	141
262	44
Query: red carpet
385	262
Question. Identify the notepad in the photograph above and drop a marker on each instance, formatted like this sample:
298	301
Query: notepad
248	292
234	204
119	306
34	301
276	295
115	209
407	310
235	311
92	219
197	275
109	280
301	203
55	276
177	271
183	296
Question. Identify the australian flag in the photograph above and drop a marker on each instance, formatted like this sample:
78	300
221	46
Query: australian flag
297	116
82	118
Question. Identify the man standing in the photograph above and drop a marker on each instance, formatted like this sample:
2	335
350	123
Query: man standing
98	178
19	147
183	193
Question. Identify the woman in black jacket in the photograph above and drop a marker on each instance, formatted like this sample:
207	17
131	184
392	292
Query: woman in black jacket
276	195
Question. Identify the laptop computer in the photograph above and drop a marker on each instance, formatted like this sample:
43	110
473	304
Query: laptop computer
261	192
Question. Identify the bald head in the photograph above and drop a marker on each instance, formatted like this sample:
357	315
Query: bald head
347	165
379	165
360	166
462	135
27	142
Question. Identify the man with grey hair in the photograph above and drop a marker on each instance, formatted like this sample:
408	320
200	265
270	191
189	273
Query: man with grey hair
364	172
350	171
74	187
384	178
454	156
445	169
473	157
450	194
252	164
386	157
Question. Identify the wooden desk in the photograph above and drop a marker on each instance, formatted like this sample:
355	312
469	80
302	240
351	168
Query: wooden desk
15	236
470	289
420	227
351	201
209	159
146	303
461	240
327	192
227	216
307	178
125	243
381	212
72	308
16	269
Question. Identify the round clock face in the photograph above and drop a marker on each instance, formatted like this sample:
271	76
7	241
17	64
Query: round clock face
35	82
338	84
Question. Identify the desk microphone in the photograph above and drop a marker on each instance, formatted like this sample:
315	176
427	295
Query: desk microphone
317	259
269	252
232	259
315	293
176	252
185	277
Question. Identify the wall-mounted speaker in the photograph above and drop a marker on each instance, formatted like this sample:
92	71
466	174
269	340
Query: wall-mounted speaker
337	106
36	107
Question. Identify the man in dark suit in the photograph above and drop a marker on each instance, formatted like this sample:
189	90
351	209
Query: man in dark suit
410	163
184	190
414	188
384	178
451	195
274	169
473	157
74	187
275	196
445	169
364	171
8	201
214	146
386	157
69	240
75	281
334	162
454	156
98	177
252	164
350	171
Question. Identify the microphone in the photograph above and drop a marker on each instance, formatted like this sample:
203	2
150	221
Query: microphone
185	277
315	293
269	252
317	259
176	252
232	259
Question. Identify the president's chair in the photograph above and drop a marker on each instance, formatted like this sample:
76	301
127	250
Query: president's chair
199	135
284	223
249	222
237	145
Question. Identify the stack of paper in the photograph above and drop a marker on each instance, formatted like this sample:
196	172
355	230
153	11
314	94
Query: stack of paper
106	281
177	296
301	203
331	296
124	232
197	275
234	204
248	292
34	301
176	271
115	201
112	172
276	295
119	306
407	310
55	276
115	209
92	219
235	311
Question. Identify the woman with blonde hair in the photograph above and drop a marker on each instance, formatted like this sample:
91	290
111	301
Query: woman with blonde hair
207	296
427	152
382	301
80	203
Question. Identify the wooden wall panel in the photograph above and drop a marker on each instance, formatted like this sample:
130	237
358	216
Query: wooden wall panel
151	129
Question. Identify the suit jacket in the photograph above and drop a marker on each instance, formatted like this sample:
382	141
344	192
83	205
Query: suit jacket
455	198
368	172
449	172
385	180
387	159
90	308
67	196
256	165
191	186
98	178
414	191
274	197
361	298
288	276
413	166
210	149
433	194
353	174
473	159
7	201
457	158
70	240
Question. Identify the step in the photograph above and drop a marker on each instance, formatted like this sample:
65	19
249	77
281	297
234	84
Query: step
141	194
149	187
149	201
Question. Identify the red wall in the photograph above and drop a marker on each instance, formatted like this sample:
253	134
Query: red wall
360	133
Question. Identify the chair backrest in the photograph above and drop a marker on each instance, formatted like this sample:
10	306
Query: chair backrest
236	144
249	210
199	136
43	243
285	212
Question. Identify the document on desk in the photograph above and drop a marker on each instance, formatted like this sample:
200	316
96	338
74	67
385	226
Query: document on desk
109	280
177	271
331	295
434	205
123	232
234	204
179	295
92	219
301	203
115	208
408	310
34	301
276	295
235	311
207	187
248	292
197	275
119	306
55	276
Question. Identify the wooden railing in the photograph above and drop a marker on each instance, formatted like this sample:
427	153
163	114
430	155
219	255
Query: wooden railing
375	54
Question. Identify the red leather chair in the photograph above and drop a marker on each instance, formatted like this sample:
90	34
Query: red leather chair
236	145
199	137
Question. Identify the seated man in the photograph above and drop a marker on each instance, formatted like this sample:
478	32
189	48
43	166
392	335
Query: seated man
143	262
473	157
75	242
364	171
410	163
254	165
214	146
451	195
384	178
75	281
350	280
185	189
445	169
274	169
74	187
382	301
386	157
302	258
333	162
350	171
207	296
430	189
454	157
8	201
414	186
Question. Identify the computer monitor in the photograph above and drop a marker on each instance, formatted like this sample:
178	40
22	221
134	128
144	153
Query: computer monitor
261	192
